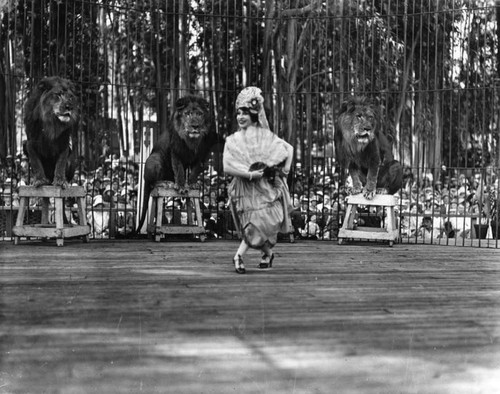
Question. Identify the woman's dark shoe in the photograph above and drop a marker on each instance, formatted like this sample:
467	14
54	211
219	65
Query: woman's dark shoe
238	265
267	261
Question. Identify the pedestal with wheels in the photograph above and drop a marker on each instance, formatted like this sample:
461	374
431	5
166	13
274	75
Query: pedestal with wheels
163	190
389	232
58	230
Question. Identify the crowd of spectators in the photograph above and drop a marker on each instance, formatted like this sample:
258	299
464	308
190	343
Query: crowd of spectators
447	205
450	205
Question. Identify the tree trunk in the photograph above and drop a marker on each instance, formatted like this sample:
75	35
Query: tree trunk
436	159
402	100
418	142
290	81
267	62
161	100
184	74
57	36
294	50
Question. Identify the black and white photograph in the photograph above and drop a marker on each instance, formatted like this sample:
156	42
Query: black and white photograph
249	196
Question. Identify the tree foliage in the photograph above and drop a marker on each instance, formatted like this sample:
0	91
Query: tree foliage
432	67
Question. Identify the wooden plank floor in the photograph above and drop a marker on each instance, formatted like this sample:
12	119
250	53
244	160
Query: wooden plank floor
173	317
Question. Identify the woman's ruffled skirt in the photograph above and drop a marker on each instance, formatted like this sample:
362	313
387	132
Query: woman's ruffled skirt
260	210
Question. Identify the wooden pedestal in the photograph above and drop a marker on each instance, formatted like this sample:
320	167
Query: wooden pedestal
59	230
161	191
389	232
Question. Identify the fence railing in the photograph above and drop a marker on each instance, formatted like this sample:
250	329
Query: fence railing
457	210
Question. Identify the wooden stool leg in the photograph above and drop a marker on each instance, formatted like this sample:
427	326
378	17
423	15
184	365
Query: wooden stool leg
45	210
199	218
152	213
392	227
23	203
350	216
82	214
348	224
390	219
59	216
189	210
159	216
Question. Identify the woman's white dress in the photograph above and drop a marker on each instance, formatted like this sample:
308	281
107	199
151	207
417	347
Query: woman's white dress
260	207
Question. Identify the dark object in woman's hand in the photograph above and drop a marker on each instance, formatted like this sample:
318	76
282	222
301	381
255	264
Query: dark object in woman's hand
269	172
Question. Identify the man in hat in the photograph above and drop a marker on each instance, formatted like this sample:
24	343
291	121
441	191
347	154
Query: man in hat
98	218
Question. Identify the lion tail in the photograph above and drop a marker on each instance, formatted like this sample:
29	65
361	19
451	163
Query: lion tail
145	203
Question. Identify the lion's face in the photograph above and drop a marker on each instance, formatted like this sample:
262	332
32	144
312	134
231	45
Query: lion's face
58	102
363	124
192	118
359	124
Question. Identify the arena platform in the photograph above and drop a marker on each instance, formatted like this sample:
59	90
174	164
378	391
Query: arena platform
174	317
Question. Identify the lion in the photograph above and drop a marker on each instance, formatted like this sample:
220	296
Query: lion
185	145
51	116
365	150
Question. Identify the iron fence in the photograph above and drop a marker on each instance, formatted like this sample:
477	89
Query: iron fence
432	68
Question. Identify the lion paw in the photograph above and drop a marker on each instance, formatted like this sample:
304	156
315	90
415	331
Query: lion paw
60	182
194	186
37	182
167	184
369	194
181	189
356	190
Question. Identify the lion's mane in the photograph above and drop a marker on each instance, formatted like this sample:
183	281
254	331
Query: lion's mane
357	131
51	117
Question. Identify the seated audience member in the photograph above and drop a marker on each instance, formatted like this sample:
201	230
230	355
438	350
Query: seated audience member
172	212
460	222
311	230
448	230
98	218
9	195
426	231
110	196
297	218
125	222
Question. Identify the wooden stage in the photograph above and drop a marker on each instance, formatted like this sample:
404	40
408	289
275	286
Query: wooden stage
174	317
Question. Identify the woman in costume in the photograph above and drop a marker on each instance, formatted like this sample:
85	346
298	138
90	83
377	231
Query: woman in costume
259	161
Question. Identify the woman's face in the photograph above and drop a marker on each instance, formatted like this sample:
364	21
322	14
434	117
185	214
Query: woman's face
243	118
